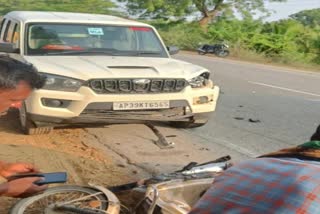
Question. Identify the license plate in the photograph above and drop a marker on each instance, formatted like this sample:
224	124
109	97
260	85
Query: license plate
141	105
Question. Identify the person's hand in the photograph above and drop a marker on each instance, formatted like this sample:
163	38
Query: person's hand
10	169
22	188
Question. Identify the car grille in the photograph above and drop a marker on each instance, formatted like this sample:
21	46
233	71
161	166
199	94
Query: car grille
109	86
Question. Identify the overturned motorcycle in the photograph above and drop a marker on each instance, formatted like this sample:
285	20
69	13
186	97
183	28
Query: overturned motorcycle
220	50
173	193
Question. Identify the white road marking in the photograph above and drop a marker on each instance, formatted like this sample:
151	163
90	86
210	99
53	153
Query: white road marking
285	89
314	100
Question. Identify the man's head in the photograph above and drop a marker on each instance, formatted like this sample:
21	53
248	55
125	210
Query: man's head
17	81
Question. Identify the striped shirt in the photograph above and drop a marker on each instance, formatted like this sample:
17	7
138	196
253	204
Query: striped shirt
264	185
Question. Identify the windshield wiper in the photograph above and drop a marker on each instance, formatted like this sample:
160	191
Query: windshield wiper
110	52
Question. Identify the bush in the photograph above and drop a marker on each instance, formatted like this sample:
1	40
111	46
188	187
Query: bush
286	41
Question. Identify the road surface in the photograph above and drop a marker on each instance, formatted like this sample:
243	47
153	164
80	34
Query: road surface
287	103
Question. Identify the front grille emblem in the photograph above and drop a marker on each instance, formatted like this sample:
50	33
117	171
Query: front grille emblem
141	81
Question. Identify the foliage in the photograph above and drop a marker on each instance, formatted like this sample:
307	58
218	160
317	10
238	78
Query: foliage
285	41
308	17
90	6
209	9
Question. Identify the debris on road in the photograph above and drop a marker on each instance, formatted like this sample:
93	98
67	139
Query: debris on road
254	121
239	118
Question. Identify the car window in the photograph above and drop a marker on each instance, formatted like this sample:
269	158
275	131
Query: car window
1	27
16	35
122	40
6	32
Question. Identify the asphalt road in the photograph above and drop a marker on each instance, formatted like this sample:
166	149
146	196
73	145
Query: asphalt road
286	102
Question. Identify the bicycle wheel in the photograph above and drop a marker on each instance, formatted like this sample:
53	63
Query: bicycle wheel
75	199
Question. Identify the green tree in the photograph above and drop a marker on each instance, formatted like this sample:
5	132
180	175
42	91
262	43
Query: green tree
89	6
308	17
208	9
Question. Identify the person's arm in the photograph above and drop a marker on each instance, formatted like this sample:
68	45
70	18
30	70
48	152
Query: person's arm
20	188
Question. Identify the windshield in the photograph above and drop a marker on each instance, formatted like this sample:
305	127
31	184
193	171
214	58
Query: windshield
77	39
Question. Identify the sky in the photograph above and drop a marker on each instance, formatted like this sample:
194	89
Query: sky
280	10
283	10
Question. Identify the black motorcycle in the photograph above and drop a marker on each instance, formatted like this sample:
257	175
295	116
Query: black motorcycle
220	50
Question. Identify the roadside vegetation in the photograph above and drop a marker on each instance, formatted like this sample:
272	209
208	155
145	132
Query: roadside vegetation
294	41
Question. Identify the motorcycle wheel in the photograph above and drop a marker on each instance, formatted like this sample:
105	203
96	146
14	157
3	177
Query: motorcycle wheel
45	202
202	53
223	53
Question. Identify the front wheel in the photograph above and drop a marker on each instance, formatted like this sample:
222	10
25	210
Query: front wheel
28	127
65	199
223	53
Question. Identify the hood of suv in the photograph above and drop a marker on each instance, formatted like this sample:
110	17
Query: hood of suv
91	67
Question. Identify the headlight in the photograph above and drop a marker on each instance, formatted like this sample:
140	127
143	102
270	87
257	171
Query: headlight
200	81
60	83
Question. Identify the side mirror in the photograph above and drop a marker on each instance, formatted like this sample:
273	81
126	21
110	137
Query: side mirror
8	48
173	50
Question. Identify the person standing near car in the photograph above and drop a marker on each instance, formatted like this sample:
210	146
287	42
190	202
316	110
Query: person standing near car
17	81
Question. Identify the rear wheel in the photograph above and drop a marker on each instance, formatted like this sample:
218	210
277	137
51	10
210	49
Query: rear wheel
195	122
223	53
28	127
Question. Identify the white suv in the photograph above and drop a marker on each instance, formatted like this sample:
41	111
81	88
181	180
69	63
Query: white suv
104	69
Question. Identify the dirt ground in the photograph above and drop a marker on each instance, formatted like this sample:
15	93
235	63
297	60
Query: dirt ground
63	150
107	156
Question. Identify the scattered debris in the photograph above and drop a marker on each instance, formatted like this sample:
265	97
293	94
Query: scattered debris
240	106
204	149
239	118
121	165
254	121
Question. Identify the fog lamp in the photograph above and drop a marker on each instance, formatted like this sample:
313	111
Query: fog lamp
202	100
55	103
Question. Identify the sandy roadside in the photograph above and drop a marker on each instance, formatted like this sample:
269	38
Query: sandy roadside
63	150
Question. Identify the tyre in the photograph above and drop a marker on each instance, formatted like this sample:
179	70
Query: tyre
223	53
28	127
202	52
195	122
45	202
